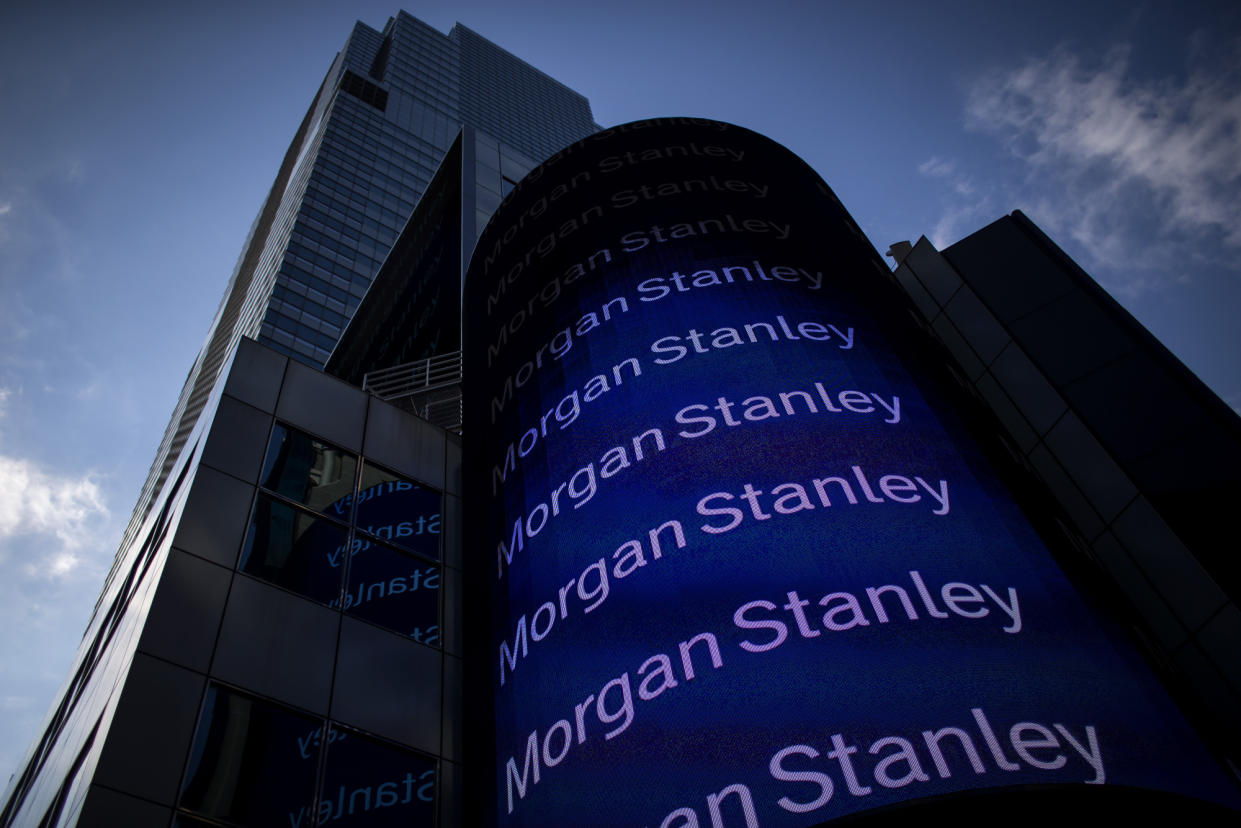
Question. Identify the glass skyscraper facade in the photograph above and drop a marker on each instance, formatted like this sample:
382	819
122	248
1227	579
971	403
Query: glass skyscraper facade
404	93
278	641
391	105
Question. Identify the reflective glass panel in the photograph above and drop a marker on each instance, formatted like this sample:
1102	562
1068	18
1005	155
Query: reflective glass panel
309	471
294	549
372	784
399	511
395	590
183	821
253	762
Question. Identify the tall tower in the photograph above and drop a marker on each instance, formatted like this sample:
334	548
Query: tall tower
386	113
275	640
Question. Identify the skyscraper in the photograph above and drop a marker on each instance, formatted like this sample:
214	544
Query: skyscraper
699	406
381	122
179	677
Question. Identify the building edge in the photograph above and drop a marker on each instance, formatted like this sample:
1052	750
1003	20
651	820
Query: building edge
1136	493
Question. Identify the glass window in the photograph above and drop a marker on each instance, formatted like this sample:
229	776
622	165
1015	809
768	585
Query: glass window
294	549
309	471
183	821
369	784
398	510
253	762
395	590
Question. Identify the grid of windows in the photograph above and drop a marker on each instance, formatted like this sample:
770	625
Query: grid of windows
259	763
363	185
347	533
295	292
497	169
377	149
516	102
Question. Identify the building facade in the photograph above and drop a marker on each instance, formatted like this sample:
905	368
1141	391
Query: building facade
295	597
388	110
742	549
1137	453
277	641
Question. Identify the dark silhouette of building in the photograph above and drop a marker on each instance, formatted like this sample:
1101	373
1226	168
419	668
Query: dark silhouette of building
1140	456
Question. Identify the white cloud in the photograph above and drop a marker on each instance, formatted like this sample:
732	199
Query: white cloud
942	168
936	167
6	208
965	210
68	512
955	222
1120	162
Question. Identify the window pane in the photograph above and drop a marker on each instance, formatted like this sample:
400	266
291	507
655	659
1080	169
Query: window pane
253	762
394	590
183	821
370	784
309	471
399	511
294	549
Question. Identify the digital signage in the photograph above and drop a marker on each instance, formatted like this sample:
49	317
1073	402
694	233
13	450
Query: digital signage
744	565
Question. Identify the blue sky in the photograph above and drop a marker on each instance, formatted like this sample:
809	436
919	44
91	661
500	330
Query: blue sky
139	140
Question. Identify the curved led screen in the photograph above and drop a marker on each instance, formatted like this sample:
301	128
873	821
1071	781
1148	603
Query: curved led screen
745	566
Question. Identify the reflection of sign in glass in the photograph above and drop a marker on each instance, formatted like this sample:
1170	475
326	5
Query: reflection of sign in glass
247	764
395	590
746	564
255	762
397	510
310	555
369	783
308	744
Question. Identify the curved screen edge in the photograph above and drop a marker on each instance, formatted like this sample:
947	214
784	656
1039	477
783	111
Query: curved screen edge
744	564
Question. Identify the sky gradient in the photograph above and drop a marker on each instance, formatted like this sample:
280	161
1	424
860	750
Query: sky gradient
140	138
